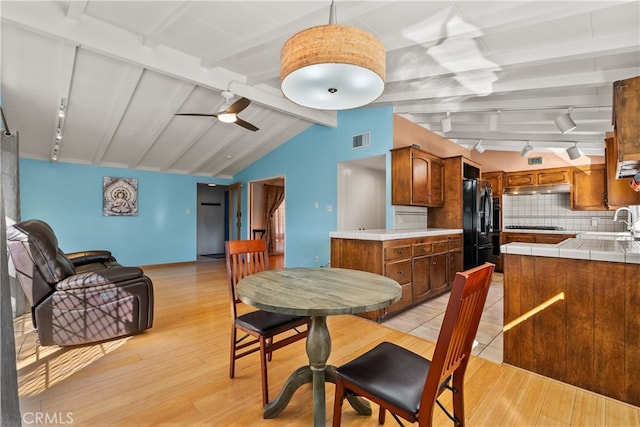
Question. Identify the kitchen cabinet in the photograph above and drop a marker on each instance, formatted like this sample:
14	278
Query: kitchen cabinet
417	178
424	267
450	214
588	191
496	179
587	337
508	237
540	177
626	104
619	192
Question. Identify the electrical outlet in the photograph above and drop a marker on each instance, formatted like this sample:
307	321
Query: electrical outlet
317	259
594	222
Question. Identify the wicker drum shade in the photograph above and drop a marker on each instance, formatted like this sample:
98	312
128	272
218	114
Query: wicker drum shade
332	67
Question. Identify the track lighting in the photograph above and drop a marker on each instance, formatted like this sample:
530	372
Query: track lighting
445	122
565	123
573	152
526	150
494	120
478	147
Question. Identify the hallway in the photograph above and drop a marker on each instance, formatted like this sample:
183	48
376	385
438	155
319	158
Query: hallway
424	321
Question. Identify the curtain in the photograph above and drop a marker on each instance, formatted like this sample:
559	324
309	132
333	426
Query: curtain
273	197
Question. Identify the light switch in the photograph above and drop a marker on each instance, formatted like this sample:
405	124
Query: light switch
329	208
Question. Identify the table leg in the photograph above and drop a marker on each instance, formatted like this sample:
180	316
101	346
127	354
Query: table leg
317	373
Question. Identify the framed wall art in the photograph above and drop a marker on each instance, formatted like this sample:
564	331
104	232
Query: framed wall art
119	196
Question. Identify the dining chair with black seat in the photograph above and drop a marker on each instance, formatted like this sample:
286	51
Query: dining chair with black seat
407	384
261	331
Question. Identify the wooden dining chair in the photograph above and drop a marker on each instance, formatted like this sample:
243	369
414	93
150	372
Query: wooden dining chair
407	384
258	329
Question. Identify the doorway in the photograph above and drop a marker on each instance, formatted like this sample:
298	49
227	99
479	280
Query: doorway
212	221
267	213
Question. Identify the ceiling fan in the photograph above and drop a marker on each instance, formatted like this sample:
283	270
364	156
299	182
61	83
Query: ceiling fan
230	112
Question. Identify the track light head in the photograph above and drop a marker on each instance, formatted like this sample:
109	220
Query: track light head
573	152
565	123
526	150
445	123
494	119
479	148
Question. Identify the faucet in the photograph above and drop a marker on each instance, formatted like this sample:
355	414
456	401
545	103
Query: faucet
629	221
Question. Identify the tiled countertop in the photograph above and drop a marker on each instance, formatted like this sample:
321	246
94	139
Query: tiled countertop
580	248
384	234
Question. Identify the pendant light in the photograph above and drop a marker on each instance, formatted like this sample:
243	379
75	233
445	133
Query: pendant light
332	67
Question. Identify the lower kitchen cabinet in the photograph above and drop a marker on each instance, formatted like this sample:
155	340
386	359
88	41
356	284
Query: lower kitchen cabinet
535	237
424	267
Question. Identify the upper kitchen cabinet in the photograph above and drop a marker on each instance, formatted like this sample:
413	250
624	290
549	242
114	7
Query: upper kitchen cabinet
417	178
619	192
553	176
496	179
588	189
626	123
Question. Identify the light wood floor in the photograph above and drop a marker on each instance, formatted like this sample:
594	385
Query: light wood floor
176	374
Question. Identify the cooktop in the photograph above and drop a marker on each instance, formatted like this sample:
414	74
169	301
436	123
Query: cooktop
533	227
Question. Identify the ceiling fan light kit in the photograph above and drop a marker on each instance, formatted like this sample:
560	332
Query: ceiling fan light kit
565	123
230	112
332	67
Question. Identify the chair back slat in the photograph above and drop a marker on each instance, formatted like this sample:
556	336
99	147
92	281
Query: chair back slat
244	258
459	328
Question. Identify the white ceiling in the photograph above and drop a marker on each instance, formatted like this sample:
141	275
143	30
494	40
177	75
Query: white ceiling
125	68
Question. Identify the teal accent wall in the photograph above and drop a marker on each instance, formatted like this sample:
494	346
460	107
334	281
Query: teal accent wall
69	198
309	164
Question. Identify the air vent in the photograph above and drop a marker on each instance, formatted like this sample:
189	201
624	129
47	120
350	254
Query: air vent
361	140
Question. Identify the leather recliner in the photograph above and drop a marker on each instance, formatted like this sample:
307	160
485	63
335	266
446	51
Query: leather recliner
81	297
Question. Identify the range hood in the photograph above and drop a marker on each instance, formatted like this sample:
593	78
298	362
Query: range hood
537	189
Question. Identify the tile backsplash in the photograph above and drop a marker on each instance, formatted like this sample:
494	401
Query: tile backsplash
554	210
409	217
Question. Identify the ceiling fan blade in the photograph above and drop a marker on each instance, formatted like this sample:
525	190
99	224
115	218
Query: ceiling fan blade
238	106
196	114
245	125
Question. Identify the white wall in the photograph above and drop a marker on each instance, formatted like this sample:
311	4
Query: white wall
361	197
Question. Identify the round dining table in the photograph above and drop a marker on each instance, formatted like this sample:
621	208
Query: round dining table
318	293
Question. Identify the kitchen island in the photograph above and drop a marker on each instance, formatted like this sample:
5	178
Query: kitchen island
572	312
422	261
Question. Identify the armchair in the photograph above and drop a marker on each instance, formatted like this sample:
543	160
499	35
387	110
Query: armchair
80	297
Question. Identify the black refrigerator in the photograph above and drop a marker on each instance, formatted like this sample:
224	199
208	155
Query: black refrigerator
478	216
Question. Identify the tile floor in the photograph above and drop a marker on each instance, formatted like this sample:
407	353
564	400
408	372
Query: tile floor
424	321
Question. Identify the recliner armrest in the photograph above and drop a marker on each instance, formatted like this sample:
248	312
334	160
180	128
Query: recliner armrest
105	276
89	257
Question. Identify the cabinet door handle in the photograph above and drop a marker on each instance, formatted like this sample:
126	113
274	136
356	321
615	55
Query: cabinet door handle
399	271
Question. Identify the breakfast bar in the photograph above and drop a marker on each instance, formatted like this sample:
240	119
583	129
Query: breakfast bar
572	312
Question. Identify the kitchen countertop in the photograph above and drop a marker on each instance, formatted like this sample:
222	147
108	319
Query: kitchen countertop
625	251
388	234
